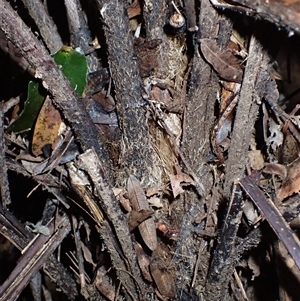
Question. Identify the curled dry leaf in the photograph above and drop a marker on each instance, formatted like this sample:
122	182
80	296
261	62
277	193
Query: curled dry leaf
250	212
175	184
152	191
161	95
107	102
291	184
122	198
275	169
125	203
177	179
139	201
224	62
290	148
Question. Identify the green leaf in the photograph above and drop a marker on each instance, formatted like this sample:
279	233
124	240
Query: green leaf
35	98
74	66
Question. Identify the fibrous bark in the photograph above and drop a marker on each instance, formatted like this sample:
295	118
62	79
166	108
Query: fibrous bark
137	155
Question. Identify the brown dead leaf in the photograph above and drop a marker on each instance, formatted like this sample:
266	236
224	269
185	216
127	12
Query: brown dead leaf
137	217
155	202
15	112
291	184
229	90
161	95
152	191
290	149
107	103
143	262
164	281
121	195
254	266
275	169
163	277
134	9
139	201
177	179
175	184
46	127
87	254
104	285
257	161
224	62
125	203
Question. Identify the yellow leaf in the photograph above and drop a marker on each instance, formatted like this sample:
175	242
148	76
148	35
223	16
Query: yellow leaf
46	127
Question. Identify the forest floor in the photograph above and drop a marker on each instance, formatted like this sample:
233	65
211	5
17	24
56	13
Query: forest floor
149	150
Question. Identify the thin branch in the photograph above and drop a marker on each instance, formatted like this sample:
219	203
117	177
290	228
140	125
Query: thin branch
4	184
45	24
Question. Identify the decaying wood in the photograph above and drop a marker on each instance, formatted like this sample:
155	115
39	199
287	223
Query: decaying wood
14	53
222	266
34	258
79	183
155	20
256	72
61	276
4	184
200	104
107	201
284	13
190	10
15	232
250	94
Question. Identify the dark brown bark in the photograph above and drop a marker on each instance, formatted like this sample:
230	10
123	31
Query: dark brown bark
137	155
255	74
